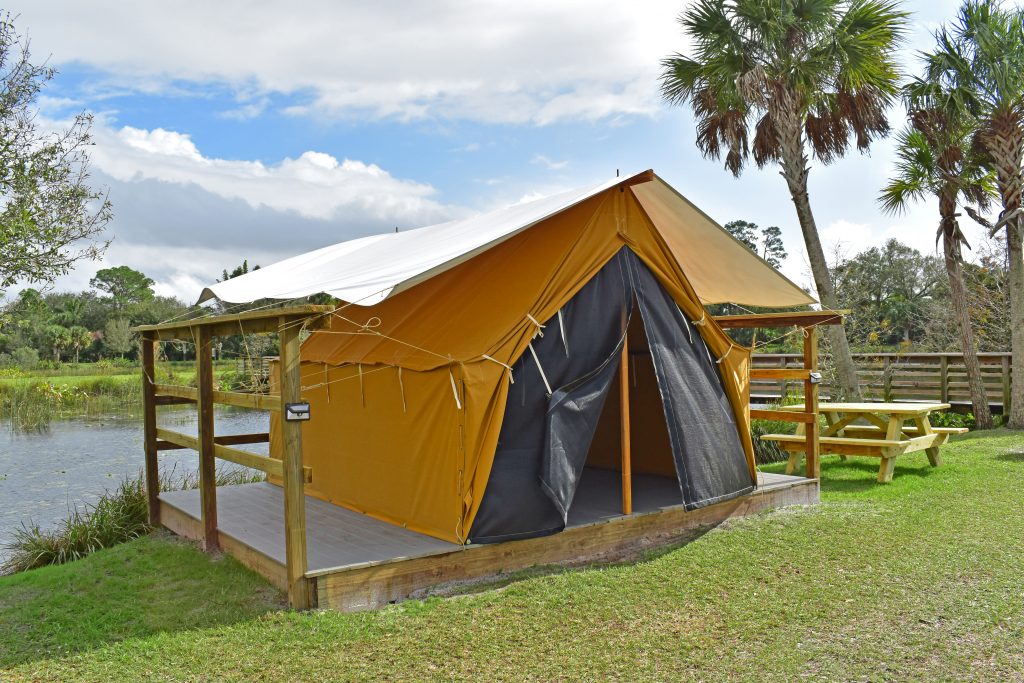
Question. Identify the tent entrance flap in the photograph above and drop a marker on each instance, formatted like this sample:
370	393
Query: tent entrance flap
544	442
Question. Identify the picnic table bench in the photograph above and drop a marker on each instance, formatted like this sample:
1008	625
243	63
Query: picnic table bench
874	430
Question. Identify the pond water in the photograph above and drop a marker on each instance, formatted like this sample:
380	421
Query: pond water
44	474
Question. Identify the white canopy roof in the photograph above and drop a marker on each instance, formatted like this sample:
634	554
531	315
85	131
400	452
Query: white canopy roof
367	270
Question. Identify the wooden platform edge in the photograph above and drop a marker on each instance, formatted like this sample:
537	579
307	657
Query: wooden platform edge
372	587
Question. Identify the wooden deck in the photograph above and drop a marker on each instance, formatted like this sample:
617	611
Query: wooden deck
358	562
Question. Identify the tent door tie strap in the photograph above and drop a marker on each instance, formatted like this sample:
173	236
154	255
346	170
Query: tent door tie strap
455	389
703	318
540	328
727	352
401	388
504	365
561	326
327	383
544	377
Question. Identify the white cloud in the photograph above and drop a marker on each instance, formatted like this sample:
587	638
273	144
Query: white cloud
182	217
544	161
526	62
246	111
313	185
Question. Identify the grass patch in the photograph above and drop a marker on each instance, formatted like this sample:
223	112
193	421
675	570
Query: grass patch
916	580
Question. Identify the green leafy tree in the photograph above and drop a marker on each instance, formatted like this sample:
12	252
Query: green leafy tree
81	338
745	232
889	288
117	336
935	158
785	79
978	67
772	248
125	286
766	243
50	217
58	338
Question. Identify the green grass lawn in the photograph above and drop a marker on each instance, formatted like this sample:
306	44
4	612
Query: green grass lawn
921	579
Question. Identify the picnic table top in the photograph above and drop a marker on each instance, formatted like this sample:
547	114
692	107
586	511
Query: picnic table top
877	408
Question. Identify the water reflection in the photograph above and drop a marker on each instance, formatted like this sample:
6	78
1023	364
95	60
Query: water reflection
74	461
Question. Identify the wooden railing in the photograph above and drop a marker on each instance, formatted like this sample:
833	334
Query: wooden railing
939	377
287	323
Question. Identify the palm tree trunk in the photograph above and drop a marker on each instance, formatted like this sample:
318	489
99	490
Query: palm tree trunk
958	298
1006	146
795	171
1015	254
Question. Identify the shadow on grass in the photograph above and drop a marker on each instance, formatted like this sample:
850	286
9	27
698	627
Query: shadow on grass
1011	456
156	583
857	475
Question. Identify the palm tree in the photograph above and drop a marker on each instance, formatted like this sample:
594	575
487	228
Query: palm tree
804	75
979	64
935	158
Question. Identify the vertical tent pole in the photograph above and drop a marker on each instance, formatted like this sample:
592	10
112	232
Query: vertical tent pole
811	401
149	427
207	461
291	454
627	469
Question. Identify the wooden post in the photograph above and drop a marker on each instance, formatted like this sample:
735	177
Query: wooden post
944	378
811	401
291	454
149	427
627	467
782	383
207	459
1006	385
887	380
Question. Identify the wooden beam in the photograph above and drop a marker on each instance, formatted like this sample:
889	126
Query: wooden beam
149	428
248	322
170	440
627	467
246	400
778	373
176	440
229	398
783	416
207	459
172	401
272	466
811	402
177	391
236	439
292	476
792	319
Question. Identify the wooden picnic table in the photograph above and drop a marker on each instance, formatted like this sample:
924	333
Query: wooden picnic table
874	430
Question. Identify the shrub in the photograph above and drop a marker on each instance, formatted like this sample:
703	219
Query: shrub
950	419
769	451
25	358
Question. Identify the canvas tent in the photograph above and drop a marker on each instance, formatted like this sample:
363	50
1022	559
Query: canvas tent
462	389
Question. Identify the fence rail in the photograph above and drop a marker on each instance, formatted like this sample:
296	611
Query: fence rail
898	377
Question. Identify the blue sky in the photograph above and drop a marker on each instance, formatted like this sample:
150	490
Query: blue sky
236	130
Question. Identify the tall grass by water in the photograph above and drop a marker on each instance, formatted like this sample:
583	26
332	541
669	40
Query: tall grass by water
30	405
120	515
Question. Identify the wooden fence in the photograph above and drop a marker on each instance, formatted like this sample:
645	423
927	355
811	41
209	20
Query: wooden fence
900	377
